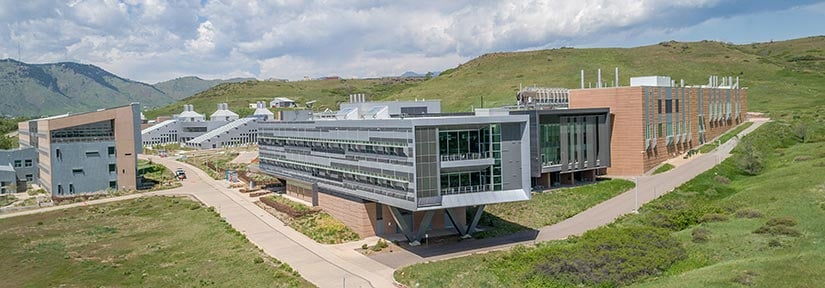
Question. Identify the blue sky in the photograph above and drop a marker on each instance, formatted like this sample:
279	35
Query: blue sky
155	40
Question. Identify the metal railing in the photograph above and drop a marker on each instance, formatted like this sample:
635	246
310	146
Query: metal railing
466	189
465	156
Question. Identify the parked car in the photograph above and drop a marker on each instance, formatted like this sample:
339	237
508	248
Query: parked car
180	174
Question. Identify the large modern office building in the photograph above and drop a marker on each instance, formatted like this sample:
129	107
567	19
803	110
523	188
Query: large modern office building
83	153
656	118
382	175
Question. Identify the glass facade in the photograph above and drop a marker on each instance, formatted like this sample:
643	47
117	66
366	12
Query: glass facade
464	144
495	133
550	143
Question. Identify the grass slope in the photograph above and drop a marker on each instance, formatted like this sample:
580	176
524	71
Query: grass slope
781	75
328	93
183	87
146	242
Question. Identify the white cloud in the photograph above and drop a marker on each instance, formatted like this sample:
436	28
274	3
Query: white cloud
153	40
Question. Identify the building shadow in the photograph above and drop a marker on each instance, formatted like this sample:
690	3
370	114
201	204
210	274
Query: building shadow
492	231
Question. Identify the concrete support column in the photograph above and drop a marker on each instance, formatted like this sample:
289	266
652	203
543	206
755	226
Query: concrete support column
408	229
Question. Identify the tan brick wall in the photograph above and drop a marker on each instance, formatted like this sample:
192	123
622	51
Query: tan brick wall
627	129
628	156
360	217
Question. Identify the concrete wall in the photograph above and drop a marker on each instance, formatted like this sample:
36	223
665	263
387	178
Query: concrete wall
92	158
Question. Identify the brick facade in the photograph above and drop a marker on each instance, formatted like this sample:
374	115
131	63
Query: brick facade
628	153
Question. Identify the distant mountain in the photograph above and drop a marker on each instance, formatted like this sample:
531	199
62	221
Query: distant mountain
54	88
187	86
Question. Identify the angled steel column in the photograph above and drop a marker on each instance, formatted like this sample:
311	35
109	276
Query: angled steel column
453	219
476	217
425	224
406	228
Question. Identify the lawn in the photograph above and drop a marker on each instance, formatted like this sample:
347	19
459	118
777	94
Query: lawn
146	242
664	168
716	219
547	208
315	224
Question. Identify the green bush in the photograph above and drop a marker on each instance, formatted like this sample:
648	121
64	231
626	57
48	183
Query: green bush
713	217
678	214
748	213
700	235
610	256
787	221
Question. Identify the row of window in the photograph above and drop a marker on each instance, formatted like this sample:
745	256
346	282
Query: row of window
21	163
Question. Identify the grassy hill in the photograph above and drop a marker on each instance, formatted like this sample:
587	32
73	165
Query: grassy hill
328	93
781	75
183	87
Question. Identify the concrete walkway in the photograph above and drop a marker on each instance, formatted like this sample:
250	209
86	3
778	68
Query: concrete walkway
320	264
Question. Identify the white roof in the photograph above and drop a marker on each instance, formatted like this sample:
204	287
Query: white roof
262	111
282	99
190	114
223	113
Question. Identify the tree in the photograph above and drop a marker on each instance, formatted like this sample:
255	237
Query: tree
750	160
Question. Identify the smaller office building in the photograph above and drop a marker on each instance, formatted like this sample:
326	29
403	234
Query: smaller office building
18	168
223	129
85	153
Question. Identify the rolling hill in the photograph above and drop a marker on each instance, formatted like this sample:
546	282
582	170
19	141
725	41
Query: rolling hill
780	75
35	90
183	87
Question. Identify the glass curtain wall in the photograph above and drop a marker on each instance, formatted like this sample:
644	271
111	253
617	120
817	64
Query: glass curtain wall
550	143
463	144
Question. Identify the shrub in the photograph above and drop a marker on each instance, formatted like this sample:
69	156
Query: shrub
293	209
722	179
700	235
774	243
713	217
381	244
258	260
786	221
746	278
678	215
748	213
802	158
364	246
778	230
611	256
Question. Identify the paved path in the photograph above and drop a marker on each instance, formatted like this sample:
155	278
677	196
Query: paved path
320	264
245	157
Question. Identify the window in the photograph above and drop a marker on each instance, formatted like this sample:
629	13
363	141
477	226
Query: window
18	163
668	106
659	131
29	178
59	156
660	106
111	150
59	189
28	163
71	188
112	168
677	106
92	154
113	184
77	171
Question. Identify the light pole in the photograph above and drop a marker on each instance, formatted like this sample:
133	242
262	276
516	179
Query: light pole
636	192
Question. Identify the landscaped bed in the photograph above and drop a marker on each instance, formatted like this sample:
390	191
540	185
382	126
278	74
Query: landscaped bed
145	242
313	223
161	177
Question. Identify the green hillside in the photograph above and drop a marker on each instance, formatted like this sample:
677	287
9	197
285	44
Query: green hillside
778	74
49	89
328	93
183	87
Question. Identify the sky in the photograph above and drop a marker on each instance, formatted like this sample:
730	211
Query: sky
155	40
